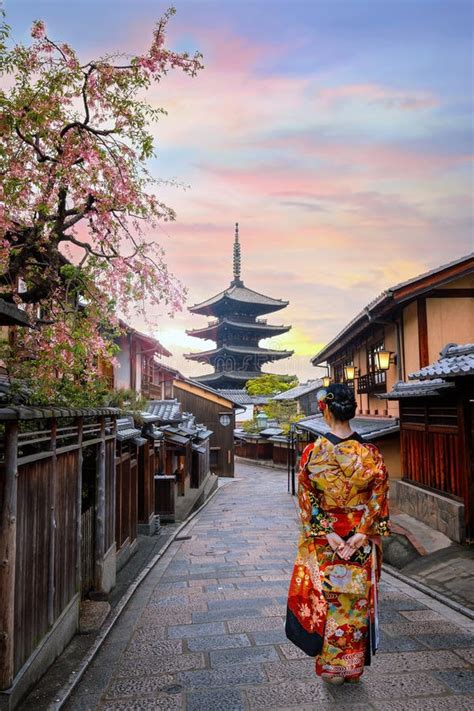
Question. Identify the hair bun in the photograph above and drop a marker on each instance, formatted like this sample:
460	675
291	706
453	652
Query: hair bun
343	404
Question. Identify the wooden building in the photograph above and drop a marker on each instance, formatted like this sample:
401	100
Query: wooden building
217	413
304	395
401	331
136	367
237	332
437	443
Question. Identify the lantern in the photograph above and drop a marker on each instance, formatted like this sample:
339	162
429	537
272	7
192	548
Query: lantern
382	360
349	372
326	381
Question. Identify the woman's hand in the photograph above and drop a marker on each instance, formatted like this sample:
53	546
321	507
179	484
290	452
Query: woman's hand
335	541
352	544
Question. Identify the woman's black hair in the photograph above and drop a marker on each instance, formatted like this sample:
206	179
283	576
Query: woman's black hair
343	405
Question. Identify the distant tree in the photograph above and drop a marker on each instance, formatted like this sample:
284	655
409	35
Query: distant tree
77	202
284	412
269	384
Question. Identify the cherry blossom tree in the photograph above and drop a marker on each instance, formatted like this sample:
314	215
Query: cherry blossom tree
77	203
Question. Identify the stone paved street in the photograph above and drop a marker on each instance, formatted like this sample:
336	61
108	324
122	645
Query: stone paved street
204	632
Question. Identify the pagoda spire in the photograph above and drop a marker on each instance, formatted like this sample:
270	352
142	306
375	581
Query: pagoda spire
237	281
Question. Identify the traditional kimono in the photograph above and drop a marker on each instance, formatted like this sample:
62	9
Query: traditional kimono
342	487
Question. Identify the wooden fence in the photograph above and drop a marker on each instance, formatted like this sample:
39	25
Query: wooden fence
41	494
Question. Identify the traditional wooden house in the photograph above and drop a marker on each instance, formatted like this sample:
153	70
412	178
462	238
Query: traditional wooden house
217	413
304	395
247	405
437	443
401	331
136	367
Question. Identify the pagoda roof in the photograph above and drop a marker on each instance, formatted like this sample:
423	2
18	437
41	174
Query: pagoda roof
255	326
226	376
240	350
240	295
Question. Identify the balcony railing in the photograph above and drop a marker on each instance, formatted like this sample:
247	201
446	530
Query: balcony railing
375	382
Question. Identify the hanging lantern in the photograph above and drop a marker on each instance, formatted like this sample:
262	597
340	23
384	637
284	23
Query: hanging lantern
349	372
326	381
382	360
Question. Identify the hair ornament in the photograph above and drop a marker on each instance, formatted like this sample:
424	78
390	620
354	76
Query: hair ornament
323	398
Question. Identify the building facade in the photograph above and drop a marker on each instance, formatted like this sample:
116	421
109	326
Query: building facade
401	331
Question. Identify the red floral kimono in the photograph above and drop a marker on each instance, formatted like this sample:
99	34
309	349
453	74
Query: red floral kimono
342	487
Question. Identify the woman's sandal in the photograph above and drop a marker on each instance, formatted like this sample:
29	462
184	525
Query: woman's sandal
331	679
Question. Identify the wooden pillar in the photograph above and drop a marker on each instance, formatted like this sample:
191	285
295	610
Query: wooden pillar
53	488
100	509
423	333
80	430
8	514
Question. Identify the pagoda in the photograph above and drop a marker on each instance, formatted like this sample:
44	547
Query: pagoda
237	331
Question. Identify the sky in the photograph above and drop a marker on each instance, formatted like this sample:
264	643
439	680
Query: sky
338	133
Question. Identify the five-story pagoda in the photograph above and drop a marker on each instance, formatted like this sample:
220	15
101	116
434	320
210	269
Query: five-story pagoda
237	331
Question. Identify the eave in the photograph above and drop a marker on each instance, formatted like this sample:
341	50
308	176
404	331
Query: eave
265	330
267	353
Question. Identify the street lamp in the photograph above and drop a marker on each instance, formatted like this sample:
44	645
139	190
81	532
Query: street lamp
382	360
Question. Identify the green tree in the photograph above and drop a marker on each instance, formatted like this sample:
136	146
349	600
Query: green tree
270	384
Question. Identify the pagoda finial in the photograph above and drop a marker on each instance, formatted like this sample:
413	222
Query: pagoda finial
237	261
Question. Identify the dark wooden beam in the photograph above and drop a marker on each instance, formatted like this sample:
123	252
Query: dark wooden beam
451	294
423	333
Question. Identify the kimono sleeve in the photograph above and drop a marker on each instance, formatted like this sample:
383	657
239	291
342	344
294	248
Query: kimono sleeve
314	523
375	521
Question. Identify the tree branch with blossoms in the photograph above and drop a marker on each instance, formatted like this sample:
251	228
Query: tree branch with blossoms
77	200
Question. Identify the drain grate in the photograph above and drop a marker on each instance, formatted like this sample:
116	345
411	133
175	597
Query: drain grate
183	538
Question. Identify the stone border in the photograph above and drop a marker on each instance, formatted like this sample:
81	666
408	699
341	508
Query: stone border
66	691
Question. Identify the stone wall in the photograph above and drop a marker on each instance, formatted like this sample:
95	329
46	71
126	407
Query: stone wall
439	512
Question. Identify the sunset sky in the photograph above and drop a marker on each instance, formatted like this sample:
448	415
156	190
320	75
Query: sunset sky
338	133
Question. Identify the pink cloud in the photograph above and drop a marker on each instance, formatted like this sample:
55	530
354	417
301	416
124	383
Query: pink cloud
376	94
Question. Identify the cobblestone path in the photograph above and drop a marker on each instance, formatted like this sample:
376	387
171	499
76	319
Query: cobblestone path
205	629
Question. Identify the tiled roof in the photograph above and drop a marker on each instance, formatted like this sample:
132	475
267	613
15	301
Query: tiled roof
244	350
241	397
369	428
416	388
162	411
240	294
126	430
271	431
241	375
455	361
300	390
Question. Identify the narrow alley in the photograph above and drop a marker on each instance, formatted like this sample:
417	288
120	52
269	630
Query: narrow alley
205	630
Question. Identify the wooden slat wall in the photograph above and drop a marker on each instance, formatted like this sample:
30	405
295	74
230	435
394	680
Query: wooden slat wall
126	500
432	447
33	585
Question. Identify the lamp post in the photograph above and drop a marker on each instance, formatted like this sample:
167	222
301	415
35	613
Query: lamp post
292	456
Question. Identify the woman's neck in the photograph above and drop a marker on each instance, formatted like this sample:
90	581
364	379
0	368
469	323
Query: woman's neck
341	429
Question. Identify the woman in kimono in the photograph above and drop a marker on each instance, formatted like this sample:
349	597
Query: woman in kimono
342	493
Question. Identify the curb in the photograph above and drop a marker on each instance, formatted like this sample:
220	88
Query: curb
457	606
66	691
